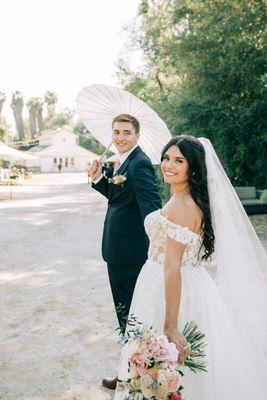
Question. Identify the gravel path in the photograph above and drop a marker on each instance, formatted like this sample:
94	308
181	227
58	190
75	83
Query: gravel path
57	318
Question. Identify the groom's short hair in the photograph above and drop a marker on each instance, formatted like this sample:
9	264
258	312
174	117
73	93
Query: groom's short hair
128	118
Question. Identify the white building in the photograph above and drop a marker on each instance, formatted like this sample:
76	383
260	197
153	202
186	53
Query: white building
60	147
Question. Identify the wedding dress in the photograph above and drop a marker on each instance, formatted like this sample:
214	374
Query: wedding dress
235	354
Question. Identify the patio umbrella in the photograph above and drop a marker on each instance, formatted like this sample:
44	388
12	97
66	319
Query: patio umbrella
8	153
98	105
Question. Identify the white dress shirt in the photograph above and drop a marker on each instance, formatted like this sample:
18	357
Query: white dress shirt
122	158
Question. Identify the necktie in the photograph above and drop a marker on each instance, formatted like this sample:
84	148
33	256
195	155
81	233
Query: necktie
116	166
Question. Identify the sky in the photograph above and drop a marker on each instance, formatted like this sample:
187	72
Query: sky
60	45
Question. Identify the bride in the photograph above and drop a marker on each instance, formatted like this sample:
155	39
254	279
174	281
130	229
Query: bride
205	264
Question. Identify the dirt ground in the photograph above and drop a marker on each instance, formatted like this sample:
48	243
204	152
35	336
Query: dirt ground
57	332
57	318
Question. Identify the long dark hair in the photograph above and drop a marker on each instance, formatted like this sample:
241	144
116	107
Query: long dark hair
194	152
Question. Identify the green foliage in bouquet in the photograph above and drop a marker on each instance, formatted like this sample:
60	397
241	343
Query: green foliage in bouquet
195	360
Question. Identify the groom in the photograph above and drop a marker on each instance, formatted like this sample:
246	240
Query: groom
131	197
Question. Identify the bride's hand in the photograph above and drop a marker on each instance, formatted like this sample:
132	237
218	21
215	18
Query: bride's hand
180	341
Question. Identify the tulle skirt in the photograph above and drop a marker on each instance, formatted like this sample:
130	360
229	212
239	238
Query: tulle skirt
232	374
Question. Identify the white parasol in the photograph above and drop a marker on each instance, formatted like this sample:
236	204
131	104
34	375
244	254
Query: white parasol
98	105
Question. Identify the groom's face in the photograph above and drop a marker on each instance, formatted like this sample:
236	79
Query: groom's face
124	136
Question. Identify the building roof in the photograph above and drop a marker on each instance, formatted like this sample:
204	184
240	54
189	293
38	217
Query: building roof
64	150
37	149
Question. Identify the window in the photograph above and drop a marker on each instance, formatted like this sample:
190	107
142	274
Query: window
72	162
55	161
66	162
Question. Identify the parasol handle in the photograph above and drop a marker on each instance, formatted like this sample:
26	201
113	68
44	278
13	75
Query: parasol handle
102	156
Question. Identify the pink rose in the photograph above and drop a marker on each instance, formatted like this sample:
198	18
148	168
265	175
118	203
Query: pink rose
173	382
163	341
161	355
161	350
139	360
167	351
176	396
153	348
173	353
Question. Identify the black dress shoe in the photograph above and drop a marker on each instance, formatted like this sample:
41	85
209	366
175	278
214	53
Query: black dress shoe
110	383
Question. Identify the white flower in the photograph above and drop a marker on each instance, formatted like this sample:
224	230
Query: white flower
138	396
117	179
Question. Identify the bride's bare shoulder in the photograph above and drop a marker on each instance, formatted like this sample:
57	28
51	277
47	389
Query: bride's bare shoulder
184	211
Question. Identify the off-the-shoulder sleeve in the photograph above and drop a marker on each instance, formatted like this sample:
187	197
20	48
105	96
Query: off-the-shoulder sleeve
179	233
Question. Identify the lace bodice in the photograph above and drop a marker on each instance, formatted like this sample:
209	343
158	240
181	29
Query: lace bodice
158	227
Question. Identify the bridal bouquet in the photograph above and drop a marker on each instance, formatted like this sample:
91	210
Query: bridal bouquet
153	367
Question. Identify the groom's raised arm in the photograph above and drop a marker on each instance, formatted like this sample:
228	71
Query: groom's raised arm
145	188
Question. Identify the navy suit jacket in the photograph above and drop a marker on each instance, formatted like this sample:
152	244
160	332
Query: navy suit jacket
124	237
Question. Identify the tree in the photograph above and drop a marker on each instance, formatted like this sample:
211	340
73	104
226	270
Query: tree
33	105
223	93
40	120
62	118
203	72
51	101
2	100
4	128
17	107
87	140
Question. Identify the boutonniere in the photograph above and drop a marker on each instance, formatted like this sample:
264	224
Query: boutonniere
118	179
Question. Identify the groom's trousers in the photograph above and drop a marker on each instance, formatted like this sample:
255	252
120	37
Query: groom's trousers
122	278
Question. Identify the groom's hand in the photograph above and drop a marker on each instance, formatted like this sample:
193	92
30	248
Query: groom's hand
95	170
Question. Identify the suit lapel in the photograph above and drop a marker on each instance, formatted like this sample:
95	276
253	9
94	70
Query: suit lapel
124	166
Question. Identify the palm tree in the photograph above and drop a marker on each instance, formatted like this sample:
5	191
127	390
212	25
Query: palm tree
17	106
40	121
2	100
33	105
51	101
4	128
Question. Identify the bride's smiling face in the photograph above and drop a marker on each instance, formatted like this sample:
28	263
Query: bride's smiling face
174	166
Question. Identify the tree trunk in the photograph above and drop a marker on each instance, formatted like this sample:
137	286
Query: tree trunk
17	111
32	121
51	111
2	100
4	128
40	120
17	106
